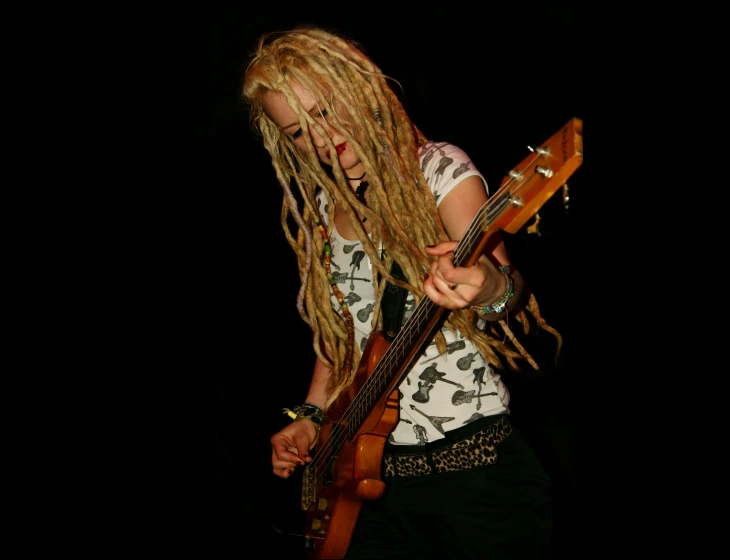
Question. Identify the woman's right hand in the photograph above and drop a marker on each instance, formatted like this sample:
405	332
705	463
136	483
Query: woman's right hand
290	446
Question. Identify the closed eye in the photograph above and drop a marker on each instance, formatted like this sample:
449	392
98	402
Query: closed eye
298	132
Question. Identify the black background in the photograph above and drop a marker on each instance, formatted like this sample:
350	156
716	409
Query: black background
492	82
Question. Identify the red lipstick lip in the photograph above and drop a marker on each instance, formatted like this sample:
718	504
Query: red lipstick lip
340	148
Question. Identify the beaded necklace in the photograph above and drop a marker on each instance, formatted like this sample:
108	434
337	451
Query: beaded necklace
360	192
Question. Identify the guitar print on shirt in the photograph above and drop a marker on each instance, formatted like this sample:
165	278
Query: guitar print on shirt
466	362
479	380
421	435
461	397
432	375
450	349
436	421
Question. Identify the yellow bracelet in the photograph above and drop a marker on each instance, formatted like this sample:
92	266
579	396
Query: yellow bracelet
290	413
307	410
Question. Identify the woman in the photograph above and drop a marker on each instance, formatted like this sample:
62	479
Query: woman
364	189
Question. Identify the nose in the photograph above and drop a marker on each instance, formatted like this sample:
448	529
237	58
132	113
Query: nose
316	138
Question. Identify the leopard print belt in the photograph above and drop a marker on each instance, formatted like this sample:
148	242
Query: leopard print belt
474	451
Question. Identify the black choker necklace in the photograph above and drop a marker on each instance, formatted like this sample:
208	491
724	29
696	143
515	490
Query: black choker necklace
355	178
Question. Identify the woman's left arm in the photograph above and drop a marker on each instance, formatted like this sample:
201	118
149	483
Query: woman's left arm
484	283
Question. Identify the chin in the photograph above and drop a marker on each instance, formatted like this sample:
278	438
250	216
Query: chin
349	160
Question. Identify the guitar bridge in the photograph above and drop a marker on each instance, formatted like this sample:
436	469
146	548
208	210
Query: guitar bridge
309	481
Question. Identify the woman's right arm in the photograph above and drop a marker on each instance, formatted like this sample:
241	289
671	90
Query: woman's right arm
290	446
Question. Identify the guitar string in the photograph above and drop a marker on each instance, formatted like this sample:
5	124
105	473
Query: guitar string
372	385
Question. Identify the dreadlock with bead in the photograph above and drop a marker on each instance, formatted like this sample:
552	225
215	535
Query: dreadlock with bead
361	106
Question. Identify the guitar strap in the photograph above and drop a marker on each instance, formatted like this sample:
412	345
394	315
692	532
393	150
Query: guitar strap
393	304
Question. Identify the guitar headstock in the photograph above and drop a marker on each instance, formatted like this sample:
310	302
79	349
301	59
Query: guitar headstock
531	183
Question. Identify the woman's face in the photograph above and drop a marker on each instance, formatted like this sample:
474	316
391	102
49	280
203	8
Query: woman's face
278	109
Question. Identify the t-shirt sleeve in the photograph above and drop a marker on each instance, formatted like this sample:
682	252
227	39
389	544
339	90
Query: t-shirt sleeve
445	166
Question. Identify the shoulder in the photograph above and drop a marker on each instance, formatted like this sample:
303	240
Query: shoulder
445	165
436	150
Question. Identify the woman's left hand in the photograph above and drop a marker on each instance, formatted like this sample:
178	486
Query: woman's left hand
455	287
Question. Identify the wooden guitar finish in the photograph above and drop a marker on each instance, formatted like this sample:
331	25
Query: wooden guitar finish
346	468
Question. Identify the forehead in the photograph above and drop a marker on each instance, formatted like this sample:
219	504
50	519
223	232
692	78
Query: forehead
278	108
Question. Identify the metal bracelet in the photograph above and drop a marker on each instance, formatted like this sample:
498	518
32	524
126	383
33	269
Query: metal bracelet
501	304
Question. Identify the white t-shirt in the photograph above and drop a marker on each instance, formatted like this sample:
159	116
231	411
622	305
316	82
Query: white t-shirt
440	393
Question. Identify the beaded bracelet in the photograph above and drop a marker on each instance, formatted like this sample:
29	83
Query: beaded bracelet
501	304
307	410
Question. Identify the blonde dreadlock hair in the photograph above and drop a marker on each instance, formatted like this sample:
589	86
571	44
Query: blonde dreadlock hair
402	210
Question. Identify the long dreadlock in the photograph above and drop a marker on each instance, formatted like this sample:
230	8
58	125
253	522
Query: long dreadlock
361	106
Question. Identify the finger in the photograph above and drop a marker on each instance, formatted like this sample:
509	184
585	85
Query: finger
441	248
443	272
443	285
279	463
473	278
284	473
438	291
290	455
443	291
303	444
284	451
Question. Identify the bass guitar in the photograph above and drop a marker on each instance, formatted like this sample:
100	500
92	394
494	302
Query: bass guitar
346	467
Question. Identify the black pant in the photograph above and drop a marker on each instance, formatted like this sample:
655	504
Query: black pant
496	512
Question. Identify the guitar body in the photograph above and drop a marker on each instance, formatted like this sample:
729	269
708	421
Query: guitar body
355	474
345	470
